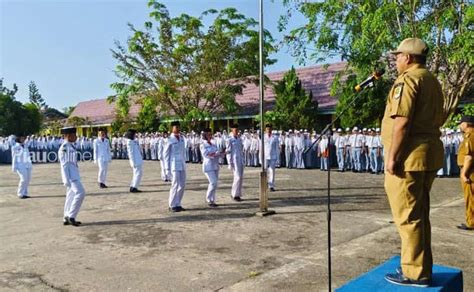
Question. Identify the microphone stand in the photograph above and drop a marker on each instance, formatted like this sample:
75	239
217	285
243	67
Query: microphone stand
326	131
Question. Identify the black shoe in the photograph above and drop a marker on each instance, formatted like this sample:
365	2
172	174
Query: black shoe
237	199
24	197
135	190
73	222
400	279
464	227
272	189
102	186
212	204
181	209
66	220
175	209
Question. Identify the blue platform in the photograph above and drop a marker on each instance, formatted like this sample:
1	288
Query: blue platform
444	279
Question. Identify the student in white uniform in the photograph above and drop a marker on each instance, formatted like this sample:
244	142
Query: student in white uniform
210	165
235	158
271	144
161	146
75	192
175	165
102	157
135	157
340	143
323	152
21	164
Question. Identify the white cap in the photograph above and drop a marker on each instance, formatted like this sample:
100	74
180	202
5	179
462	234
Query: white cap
355	129
348	129
377	130
364	129
339	130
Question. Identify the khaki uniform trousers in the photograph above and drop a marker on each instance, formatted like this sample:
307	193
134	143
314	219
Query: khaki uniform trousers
469	199
409	199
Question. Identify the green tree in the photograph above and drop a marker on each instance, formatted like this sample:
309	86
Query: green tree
454	119
147	117
17	118
189	69
35	96
294	108
362	32
33	119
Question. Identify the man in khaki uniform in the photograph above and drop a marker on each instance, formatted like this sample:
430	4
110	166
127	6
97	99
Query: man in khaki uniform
466	152
411	137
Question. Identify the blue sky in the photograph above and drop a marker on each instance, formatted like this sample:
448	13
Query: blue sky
64	45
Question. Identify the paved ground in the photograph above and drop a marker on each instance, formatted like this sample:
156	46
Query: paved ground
130	242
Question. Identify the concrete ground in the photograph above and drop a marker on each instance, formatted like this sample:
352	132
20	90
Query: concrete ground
130	242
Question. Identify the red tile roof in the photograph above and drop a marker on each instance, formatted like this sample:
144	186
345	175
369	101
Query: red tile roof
315	78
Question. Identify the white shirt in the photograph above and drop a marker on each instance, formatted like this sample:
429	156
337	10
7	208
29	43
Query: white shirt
68	160
134	153
102	150
271	145
20	157
357	140
210	154
174	154
234	150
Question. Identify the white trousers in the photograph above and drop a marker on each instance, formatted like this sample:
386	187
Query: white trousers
25	177
75	194
238	179
178	182
299	158
137	176
103	166
271	164
213	178
164	177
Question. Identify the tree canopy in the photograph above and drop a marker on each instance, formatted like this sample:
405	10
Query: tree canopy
35	96
189	69
362	32
294	108
17	118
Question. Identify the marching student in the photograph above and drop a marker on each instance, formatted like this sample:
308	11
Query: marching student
21	164
135	158
75	192
271	144
102	157
175	166
210	165
235	158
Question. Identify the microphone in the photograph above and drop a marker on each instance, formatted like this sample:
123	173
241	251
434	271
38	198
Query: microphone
368	82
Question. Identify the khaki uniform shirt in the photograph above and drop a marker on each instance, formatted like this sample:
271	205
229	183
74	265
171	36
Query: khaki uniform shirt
416	95
466	148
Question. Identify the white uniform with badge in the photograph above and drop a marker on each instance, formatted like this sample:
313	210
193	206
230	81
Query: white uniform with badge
210	167
75	192
21	164
271	144
102	157
135	158
175	166
235	158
